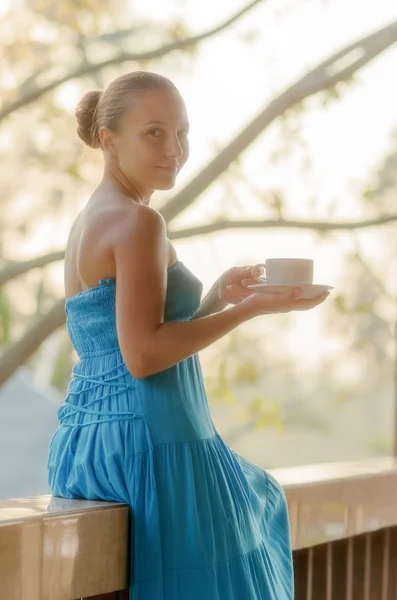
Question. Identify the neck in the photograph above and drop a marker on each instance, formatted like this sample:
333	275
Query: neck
117	178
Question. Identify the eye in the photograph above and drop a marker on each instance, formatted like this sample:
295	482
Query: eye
155	132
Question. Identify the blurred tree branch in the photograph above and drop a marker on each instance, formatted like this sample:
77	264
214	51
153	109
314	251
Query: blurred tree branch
278	223
91	68
20	268
339	67
17	353
15	269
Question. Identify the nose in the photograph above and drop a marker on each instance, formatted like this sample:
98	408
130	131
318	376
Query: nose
174	148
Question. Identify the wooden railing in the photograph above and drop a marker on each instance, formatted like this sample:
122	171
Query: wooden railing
343	527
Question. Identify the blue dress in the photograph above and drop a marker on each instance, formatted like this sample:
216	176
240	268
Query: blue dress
206	523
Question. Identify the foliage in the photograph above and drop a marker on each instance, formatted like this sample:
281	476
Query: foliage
380	445
44	180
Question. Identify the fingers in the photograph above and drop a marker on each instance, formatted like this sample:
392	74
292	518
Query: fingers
283	301
258	271
251	272
295	303
239	290
286	302
293	294
311	303
239	271
251	281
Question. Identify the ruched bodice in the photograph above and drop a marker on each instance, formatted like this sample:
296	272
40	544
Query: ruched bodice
206	523
91	315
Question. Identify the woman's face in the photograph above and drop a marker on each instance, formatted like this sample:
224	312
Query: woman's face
151	144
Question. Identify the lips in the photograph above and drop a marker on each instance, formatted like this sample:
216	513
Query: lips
169	169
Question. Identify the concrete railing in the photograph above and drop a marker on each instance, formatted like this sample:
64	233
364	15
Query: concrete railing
343	528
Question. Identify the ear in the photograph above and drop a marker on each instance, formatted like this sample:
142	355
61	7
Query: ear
107	141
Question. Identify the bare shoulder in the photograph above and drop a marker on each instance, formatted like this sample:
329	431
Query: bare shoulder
139	242
113	237
137	222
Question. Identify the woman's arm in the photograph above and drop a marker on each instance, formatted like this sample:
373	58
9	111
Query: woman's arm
147	343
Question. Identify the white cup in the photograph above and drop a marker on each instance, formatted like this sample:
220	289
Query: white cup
289	271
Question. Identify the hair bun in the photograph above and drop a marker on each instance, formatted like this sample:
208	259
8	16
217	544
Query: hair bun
85	115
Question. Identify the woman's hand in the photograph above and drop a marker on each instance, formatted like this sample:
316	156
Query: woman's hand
261	303
230	288
232	285
233	290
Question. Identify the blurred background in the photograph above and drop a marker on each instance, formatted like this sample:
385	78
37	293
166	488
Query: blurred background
293	110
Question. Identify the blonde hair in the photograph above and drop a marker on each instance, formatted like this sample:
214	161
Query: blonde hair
99	109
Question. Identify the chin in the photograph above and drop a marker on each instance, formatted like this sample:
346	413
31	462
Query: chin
165	183
165	186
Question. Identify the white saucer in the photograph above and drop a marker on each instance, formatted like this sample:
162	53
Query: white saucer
309	290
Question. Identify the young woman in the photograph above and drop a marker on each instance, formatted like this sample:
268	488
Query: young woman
135	426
